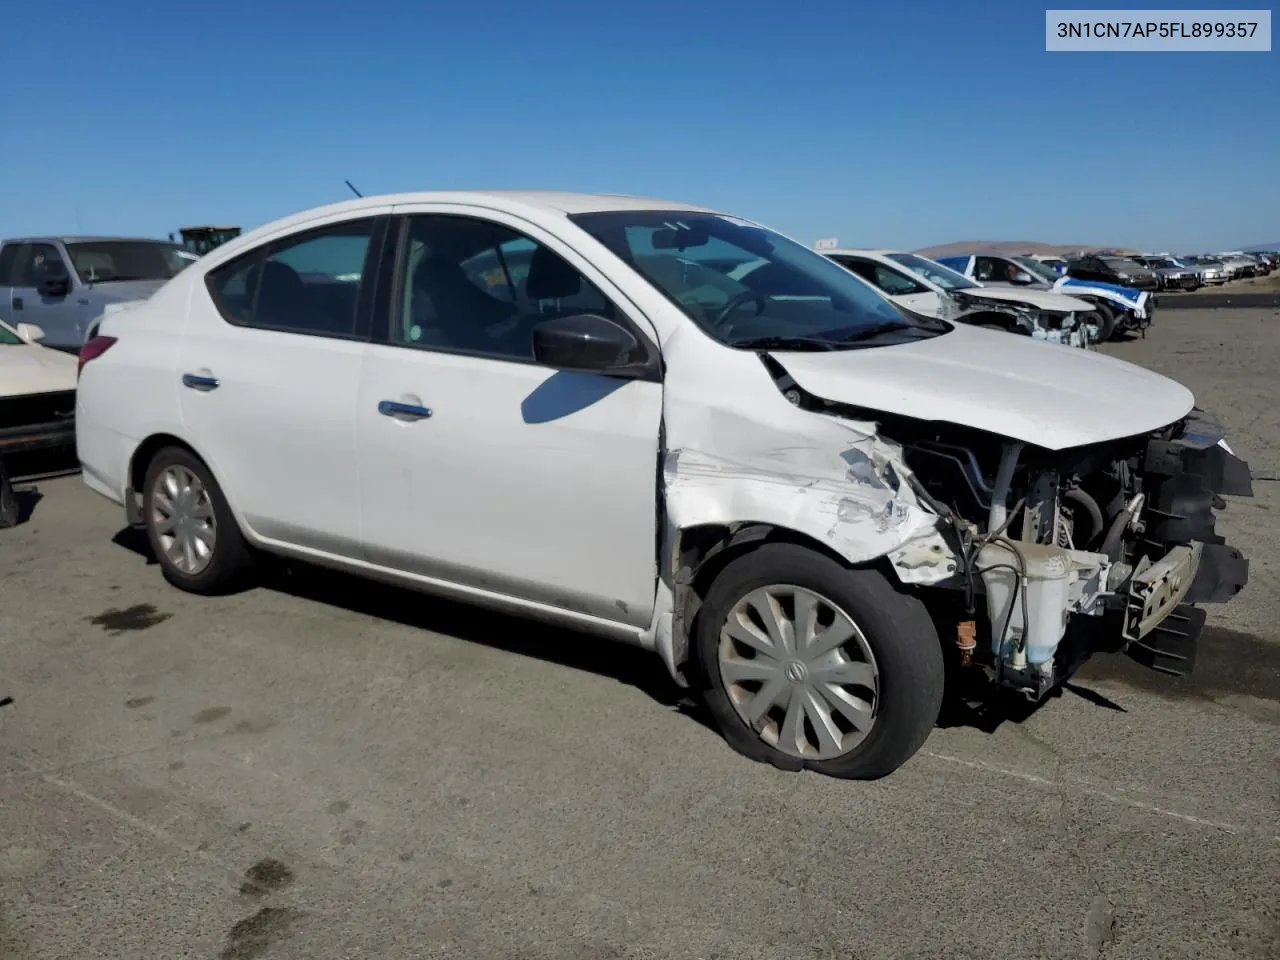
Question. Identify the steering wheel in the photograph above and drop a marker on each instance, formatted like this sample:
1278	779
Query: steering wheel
747	296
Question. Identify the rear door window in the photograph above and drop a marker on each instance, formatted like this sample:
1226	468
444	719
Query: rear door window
306	283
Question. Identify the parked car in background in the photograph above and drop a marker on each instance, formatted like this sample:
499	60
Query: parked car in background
1213	271
1171	273
835	474
1118	308
1056	264
927	287
62	284
1264	264
37	403
1120	271
1239	265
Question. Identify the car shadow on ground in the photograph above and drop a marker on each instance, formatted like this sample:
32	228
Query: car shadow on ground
628	665
25	470
985	708
27	499
971	702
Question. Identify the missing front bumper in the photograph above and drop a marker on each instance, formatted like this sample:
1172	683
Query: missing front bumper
1157	591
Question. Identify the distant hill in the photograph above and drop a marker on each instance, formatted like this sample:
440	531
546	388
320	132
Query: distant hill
1264	246
1007	248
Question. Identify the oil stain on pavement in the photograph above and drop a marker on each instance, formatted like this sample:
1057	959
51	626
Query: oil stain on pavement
254	935
265	876
140	616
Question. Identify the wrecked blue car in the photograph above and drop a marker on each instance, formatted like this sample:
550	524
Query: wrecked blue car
1119	309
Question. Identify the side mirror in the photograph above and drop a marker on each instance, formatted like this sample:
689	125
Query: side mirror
29	332
587	343
1022	277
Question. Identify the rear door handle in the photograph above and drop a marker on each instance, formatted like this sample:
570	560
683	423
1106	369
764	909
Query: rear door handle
403	411
17	303
197	382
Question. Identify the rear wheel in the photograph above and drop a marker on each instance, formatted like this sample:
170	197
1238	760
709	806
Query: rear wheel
192	531
811	664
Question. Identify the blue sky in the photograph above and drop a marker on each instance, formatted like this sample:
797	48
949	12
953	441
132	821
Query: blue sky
896	124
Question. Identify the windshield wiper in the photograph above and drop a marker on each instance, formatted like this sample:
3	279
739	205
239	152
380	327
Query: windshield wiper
868	333
783	343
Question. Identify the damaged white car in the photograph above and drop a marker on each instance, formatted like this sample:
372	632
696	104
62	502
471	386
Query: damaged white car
924	286
807	501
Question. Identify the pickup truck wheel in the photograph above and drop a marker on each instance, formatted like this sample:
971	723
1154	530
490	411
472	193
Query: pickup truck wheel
810	664
192	531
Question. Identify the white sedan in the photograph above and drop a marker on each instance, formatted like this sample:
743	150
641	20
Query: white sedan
803	498
925	286
37	402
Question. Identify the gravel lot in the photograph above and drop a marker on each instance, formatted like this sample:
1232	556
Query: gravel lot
326	768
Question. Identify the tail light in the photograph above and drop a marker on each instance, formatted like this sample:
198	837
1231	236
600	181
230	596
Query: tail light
92	350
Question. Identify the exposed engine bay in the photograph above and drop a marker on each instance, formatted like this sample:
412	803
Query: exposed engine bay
1060	554
1066	329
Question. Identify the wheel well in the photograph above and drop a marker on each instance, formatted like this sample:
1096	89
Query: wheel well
147	450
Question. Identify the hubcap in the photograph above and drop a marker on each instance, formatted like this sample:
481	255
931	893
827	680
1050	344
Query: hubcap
182	517
799	672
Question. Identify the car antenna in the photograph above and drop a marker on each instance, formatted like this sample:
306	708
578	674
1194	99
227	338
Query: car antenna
353	189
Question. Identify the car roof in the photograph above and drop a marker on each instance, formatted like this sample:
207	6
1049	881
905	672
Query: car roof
862	251
552	201
537	202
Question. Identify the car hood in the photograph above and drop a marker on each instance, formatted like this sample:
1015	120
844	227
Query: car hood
113	291
1012	386
1040	299
30	369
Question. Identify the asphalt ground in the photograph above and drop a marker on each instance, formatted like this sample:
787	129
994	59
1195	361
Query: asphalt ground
322	767
1253	293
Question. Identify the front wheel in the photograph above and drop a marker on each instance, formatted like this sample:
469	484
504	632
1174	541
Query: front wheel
192	531
810	664
1106	322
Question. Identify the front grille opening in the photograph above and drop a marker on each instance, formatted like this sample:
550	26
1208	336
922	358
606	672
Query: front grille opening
56	407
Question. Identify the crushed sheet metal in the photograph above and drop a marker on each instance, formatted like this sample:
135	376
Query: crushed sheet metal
854	499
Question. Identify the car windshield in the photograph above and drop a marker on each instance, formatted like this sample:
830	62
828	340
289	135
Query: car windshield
109	261
944	277
8	338
1038	269
1120	264
750	287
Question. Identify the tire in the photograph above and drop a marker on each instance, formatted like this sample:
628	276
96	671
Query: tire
906	675
1106	322
224	567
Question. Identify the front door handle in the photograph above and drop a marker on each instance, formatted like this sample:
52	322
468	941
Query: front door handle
403	411
17	303
197	382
